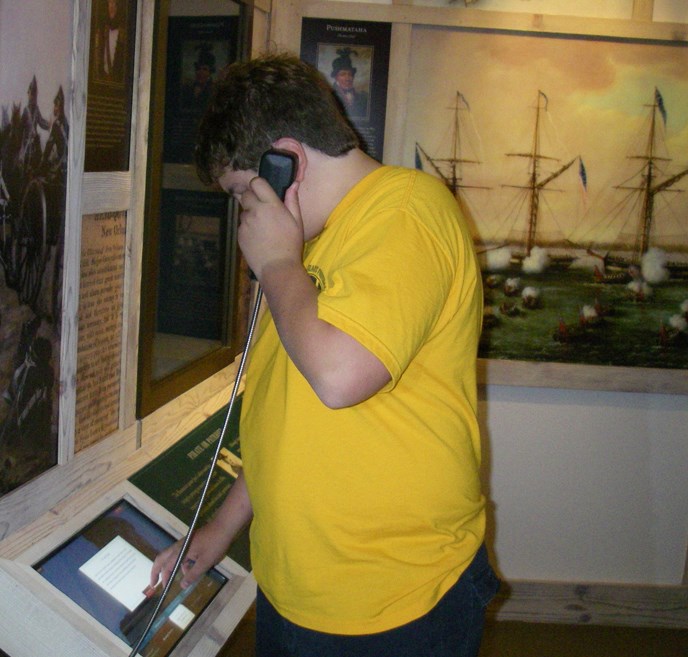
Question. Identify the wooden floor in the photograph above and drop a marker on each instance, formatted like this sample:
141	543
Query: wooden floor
512	639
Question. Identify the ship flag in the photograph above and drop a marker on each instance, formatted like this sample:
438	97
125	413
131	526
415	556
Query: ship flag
583	177
544	95
583	174
660	105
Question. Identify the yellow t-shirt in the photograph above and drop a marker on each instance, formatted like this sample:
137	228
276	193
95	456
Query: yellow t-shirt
365	516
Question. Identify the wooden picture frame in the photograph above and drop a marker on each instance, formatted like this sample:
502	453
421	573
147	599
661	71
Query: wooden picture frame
406	22
183	43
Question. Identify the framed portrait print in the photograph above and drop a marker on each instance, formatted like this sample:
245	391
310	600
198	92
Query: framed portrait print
110	85
354	57
198	48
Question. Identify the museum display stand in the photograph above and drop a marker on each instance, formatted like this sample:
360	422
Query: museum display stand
37	618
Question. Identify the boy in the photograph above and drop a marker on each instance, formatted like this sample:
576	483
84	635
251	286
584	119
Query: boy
360	441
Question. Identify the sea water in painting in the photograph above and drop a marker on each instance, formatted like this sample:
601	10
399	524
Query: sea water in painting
569	159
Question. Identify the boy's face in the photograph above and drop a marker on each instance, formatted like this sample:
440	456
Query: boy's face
235	183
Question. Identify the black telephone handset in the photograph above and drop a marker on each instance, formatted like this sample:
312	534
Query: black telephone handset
279	169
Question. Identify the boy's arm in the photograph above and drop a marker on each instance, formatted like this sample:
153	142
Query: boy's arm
341	371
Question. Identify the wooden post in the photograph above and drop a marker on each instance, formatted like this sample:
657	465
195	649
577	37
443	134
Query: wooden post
643	10
72	245
285	25
397	92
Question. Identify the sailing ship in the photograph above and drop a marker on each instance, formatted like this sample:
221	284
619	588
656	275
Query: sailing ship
450	168
617	251
538	181
642	191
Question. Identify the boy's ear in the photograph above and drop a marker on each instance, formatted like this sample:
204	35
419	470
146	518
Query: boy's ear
294	146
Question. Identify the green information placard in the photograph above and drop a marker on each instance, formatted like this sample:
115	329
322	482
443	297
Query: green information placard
176	478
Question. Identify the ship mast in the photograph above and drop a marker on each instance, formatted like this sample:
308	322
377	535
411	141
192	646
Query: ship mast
454	178
649	189
535	186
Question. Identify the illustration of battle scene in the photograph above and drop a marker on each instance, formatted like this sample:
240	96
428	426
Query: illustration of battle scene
33	175
575	195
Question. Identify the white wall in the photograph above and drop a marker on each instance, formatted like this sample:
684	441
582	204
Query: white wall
585	485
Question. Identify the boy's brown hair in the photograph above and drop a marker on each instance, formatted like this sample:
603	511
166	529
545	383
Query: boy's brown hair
259	101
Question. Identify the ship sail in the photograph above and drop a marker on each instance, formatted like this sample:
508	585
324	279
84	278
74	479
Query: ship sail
538	180
450	166
636	225
652	183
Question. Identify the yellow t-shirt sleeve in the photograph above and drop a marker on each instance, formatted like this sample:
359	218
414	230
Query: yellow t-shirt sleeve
406	277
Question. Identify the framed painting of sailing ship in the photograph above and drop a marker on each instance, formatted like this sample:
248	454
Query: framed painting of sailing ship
569	156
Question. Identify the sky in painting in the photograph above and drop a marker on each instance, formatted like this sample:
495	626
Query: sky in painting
599	95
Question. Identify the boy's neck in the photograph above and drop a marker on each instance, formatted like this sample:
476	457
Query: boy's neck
328	180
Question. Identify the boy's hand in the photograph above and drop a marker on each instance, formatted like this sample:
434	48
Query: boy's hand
207	548
270	232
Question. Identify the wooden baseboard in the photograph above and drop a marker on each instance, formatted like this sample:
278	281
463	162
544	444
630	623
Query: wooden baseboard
593	604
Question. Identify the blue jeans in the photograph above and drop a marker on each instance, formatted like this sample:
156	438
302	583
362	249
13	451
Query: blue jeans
453	628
